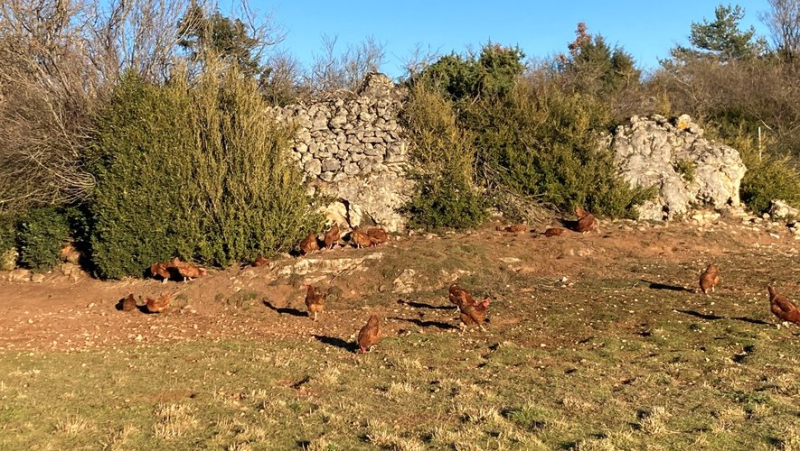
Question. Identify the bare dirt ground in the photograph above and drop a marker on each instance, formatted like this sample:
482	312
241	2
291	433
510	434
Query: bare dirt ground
63	314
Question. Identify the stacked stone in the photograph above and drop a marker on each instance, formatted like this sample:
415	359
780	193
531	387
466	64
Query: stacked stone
349	136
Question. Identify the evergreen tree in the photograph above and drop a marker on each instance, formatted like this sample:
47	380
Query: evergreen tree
722	38
221	36
593	67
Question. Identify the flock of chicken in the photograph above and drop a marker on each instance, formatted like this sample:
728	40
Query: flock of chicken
471	312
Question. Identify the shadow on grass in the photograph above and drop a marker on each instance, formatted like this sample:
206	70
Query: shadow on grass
751	321
664	286
437	324
285	310
697	314
704	316
336	342
424	305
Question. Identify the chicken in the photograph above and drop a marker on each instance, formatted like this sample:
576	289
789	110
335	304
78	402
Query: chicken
378	235
160	270
129	303
332	236
187	270
513	228
474	314
369	335
314	301
708	279
309	244
586	221
361	239
553	231
159	305
782	307
458	295
260	261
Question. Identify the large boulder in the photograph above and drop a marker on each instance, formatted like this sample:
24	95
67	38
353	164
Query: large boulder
688	170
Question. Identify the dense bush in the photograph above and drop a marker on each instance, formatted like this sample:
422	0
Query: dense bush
444	158
41	234
768	180
544	144
8	232
492	73
192	169
769	176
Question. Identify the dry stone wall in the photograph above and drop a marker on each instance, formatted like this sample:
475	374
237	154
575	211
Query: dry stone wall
352	148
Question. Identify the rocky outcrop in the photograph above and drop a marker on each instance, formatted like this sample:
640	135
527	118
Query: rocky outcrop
351	147
782	210
688	170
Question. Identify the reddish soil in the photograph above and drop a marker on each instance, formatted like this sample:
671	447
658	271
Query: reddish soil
245	303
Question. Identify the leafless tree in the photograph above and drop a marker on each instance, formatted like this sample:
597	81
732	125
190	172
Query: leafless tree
418	59
783	21
282	81
345	70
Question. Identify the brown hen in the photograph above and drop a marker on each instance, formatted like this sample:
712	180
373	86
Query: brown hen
458	295
369	335
782	307
474	314
332	236
513	228
187	270
260	261
553	231
709	279
160	304
129	303
160	270
586	221
361	239
314	301
378	235
309	244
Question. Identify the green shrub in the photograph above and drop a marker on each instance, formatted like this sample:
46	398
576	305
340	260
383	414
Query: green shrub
461	78
686	169
8	232
543	144
41	234
443	160
769	176
768	180
196	170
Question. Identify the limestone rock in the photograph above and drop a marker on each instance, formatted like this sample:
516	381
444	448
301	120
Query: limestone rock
313	168
781	210
406	282
688	170
20	275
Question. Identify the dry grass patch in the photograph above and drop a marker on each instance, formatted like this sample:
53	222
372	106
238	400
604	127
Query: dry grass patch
174	420
73	425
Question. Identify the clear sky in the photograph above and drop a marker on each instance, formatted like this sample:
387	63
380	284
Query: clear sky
646	29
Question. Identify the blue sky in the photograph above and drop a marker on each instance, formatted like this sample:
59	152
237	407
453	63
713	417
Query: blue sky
646	29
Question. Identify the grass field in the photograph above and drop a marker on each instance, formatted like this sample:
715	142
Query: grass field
594	342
